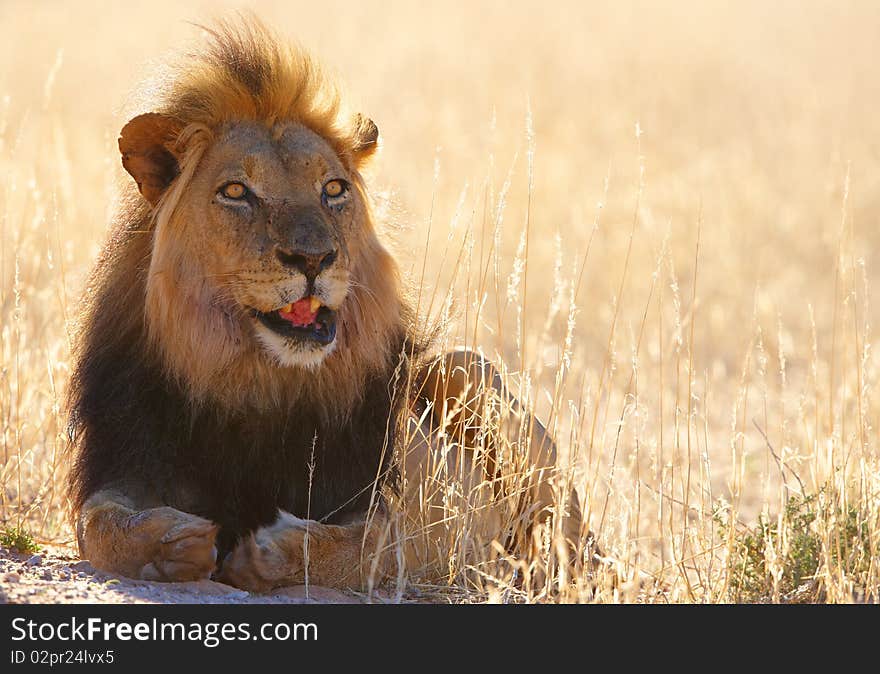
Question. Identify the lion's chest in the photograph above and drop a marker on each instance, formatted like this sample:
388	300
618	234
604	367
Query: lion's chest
243	471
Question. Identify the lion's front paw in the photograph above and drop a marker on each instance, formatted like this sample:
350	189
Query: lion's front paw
272	557
179	546
259	567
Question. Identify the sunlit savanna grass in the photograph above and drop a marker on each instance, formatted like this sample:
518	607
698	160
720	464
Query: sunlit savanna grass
661	217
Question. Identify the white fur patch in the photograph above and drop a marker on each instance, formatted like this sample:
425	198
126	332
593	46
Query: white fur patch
291	353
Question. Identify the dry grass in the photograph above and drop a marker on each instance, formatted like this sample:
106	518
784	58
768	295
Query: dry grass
661	217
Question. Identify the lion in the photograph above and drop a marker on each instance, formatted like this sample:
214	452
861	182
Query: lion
251	400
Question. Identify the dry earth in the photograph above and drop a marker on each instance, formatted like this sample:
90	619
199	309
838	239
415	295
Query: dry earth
56	575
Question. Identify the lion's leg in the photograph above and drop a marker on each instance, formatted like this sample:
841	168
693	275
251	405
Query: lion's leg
160	543
292	551
471	407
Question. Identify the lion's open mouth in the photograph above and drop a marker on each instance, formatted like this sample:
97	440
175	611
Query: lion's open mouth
306	319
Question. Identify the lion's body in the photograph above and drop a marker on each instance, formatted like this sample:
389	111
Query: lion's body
247	365
239	467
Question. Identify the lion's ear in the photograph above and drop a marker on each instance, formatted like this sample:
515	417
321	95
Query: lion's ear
147	144
366	138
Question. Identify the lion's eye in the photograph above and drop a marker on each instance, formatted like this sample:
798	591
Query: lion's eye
233	190
334	188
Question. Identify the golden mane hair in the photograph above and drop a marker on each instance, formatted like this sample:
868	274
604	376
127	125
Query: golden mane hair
246	73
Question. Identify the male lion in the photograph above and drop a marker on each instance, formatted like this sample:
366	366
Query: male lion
250	399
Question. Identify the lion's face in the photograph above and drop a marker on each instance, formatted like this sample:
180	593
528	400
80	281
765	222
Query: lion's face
266	276
276	218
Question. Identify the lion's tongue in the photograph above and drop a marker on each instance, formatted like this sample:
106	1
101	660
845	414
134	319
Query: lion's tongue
302	312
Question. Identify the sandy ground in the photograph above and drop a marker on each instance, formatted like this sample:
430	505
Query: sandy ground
56	575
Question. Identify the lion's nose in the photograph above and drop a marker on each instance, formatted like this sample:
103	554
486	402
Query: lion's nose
310	263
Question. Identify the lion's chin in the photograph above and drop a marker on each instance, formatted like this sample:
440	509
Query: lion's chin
291	352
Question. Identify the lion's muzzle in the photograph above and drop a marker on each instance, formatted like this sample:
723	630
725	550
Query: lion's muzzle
304	240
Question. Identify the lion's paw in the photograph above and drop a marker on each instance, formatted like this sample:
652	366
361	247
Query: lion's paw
273	556
179	546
